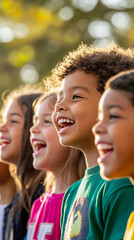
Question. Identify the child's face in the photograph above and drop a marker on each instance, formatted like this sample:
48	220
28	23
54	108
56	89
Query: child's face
48	154
11	131
76	110
114	135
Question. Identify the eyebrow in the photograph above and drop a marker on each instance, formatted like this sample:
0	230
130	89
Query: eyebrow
44	115
15	114
115	106
75	88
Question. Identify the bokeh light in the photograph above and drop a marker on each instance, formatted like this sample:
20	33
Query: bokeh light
121	20
66	13
29	74
85	5
118	4
99	29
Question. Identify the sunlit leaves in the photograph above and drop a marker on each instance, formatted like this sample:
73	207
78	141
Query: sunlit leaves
33	19
21	56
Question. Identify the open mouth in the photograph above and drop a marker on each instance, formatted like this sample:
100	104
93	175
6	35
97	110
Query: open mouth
64	123
103	149
38	145
4	142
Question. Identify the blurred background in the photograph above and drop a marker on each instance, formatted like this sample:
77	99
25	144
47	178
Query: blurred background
36	34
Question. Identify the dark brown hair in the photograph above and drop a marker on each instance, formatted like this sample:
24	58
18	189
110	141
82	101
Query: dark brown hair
103	62
123	81
26	176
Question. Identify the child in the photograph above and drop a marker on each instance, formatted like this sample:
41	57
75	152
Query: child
60	162
7	191
114	133
16	117
90	206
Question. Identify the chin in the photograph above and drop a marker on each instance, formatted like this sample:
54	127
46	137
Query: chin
35	164
105	175
68	142
63	142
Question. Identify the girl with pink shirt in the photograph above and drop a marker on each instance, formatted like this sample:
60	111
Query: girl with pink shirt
64	166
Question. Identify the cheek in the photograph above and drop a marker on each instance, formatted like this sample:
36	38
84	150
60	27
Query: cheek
18	135
54	116
86	114
51	135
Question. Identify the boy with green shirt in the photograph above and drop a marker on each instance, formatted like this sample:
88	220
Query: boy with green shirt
117	133
92	207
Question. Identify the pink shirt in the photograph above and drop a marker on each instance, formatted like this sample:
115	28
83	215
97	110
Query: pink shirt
44	221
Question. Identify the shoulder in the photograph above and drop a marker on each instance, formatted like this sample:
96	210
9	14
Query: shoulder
118	185
73	189
38	201
118	193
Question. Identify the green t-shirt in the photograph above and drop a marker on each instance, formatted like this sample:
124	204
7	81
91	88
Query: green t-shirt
95	209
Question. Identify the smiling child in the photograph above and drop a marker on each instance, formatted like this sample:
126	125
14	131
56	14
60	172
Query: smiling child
114	132
90	206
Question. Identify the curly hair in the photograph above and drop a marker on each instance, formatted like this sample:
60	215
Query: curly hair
123	81
103	62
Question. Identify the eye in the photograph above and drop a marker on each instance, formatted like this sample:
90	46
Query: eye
113	116
14	121
76	96
48	121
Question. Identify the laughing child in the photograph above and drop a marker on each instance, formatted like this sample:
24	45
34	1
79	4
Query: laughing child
64	166
16	120
92	205
114	133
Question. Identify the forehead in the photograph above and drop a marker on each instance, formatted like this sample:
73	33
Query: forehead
114	97
81	80
11	107
46	106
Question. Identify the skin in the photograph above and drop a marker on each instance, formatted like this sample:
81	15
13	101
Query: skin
78	102
11	131
114	135
48	154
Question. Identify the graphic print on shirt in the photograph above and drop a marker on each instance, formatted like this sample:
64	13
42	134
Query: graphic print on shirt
77	226
44	229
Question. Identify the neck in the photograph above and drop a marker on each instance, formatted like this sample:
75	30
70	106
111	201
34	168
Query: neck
7	191
60	185
91	156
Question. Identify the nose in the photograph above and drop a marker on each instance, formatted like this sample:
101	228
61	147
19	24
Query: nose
60	106
35	128
3	127
98	128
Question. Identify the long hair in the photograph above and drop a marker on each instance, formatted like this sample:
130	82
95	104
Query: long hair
27	177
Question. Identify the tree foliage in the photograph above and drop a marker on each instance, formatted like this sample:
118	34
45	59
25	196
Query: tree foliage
36	34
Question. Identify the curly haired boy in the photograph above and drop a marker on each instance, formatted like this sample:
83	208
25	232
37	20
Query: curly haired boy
92	207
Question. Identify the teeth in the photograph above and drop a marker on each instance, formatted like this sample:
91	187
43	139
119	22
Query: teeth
38	142
104	147
64	121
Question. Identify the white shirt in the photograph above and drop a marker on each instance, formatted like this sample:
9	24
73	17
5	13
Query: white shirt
2	207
